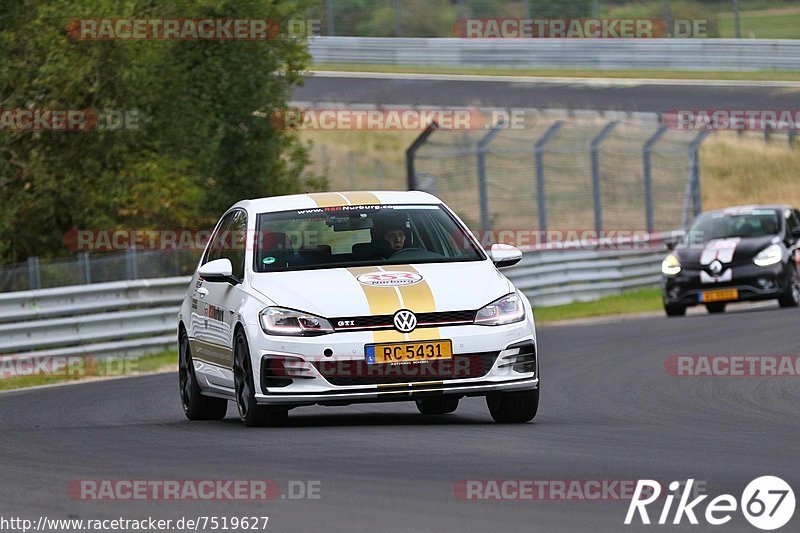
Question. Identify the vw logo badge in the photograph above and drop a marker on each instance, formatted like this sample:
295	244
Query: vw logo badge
715	267
405	321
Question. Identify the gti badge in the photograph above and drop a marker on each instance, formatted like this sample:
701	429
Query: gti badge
405	321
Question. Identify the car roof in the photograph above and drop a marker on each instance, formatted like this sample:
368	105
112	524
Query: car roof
335	199
745	208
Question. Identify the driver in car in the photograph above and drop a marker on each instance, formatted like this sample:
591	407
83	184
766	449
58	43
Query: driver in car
389	236
769	226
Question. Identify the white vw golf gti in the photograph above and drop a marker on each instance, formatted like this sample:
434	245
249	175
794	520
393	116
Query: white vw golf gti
339	298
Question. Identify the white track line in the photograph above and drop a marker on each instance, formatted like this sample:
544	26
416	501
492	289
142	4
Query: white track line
88	380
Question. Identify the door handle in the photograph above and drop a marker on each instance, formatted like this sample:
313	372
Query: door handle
202	292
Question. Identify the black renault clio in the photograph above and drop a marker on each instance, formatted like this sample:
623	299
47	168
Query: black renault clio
735	254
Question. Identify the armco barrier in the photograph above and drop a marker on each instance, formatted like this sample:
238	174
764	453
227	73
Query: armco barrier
129	318
605	54
121	318
566	276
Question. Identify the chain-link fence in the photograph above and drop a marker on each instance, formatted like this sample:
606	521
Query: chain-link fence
84	268
551	171
565	174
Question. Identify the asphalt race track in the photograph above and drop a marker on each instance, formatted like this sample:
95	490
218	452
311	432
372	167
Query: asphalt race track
614	95
609	411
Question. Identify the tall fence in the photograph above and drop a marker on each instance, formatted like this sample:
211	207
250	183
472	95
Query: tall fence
554	170
557	174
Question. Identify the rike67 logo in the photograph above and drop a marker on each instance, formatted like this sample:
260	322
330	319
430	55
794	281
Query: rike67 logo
767	503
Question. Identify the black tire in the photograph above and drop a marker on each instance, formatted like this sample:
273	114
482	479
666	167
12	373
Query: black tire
195	405
675	309
437	406
251	414
513	407
716	308
791	298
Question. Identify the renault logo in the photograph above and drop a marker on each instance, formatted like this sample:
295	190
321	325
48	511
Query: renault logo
405	321
715	267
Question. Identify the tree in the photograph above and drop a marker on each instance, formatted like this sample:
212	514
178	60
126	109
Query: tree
198	145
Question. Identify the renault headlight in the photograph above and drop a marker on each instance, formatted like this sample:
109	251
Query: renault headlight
769	256
280	321
506	310
671	266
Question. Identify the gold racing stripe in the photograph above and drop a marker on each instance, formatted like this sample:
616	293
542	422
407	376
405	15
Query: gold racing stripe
327	199
362	198
419	299
382	301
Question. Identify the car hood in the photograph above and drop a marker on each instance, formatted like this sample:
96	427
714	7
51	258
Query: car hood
337	292
733	250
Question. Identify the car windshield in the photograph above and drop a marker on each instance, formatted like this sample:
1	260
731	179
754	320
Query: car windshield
726	225
347	236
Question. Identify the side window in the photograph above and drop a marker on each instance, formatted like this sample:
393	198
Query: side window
793	221
237	240
216	248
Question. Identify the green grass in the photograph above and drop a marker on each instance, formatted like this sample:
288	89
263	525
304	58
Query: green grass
641	301
96	368
761	75
768	24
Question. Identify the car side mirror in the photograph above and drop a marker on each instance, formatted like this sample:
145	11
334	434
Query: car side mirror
504	255
672	240
218	271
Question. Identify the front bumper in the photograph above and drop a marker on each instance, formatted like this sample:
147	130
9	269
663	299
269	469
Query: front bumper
486	359
751	281
404	392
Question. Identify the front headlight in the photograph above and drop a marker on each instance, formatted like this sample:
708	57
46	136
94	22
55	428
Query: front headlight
506	310
280	321
769	256
670	266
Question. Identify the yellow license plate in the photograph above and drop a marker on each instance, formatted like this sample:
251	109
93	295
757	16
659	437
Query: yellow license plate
407	352
722	295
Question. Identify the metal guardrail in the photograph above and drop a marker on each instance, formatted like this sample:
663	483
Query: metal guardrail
606	54
130	318
562	277
123	318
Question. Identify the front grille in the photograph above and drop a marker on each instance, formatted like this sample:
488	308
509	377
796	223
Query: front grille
358	372
378	322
